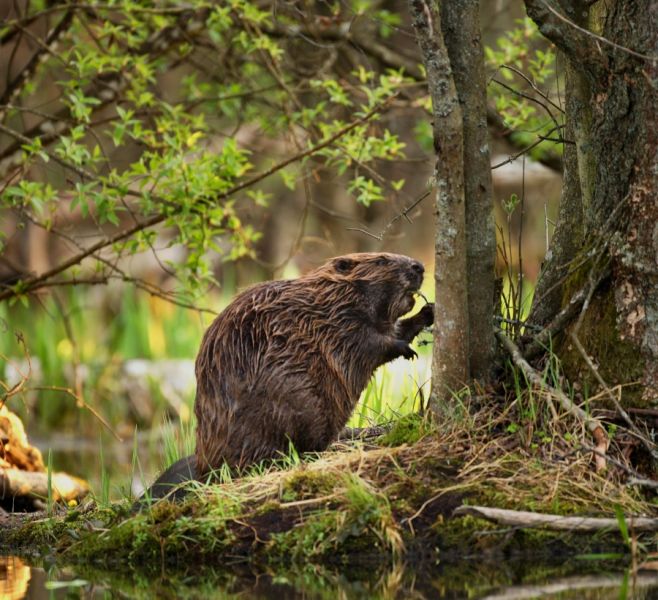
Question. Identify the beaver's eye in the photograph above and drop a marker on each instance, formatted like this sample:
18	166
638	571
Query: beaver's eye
381	261
343	265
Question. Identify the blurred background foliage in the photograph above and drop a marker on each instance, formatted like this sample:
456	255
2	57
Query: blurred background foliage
156	157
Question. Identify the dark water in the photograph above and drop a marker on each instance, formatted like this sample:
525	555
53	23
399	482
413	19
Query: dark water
471	579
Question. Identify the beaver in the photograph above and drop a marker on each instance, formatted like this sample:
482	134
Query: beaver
286	361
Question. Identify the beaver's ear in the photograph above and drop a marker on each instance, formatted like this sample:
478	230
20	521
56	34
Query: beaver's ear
343	265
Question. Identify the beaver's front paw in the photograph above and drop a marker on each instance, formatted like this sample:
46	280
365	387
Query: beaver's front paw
407	351
426	314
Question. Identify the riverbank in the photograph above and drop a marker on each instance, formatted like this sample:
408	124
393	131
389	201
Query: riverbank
366	506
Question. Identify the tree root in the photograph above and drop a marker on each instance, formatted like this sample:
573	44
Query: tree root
594	425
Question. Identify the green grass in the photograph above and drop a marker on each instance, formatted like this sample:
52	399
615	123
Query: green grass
60	334
178	440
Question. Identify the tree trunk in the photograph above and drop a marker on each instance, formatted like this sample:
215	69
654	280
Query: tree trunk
460	20
450	366
612	100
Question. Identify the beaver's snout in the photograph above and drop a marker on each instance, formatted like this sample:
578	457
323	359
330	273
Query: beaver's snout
415	274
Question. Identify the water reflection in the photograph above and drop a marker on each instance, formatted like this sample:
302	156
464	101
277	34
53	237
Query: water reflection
511	581
14	578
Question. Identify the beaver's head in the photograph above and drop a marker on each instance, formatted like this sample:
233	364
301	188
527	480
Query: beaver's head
387	282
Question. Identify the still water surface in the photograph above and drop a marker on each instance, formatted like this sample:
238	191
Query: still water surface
524	581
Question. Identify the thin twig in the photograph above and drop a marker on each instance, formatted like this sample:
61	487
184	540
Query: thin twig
632	426
599	38
80	402
525	150
521	518
24	378
563	318
634	477
404	213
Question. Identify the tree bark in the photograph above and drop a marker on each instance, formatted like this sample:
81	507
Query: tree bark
450	359
569	234
460	21
613	52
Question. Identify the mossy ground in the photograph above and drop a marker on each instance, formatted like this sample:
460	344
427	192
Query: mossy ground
356	505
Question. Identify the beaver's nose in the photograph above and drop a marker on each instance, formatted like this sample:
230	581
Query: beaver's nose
417	267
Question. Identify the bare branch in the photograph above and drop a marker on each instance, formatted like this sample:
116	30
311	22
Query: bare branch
594	425
525	519
599	38
15	85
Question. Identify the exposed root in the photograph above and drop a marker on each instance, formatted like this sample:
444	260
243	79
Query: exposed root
594	425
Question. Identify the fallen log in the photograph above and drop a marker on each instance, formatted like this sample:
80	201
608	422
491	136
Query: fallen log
15	483
24	479
525	519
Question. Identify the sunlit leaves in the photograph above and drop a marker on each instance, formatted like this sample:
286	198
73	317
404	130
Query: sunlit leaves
164	111
522	85
365	190
30	194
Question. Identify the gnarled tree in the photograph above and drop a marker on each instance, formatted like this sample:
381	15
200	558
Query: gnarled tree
608	221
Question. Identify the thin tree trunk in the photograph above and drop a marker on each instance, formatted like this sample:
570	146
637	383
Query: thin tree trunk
450	367
460	21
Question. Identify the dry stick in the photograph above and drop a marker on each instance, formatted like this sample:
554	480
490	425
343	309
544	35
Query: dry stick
594	425
525	150
521	518
35	282
632	426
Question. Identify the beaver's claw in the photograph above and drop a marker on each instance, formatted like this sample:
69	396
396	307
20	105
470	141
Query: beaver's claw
408	352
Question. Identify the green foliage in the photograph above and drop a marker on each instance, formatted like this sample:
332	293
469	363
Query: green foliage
524	87
178	440
151	105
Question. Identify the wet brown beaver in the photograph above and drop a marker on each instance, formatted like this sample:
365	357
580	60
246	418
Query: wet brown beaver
286	361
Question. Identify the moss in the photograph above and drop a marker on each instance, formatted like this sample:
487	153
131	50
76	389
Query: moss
408	430
359	521
306	483
618	361
465	535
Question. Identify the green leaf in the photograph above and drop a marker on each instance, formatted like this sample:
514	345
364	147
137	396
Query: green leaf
623	526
